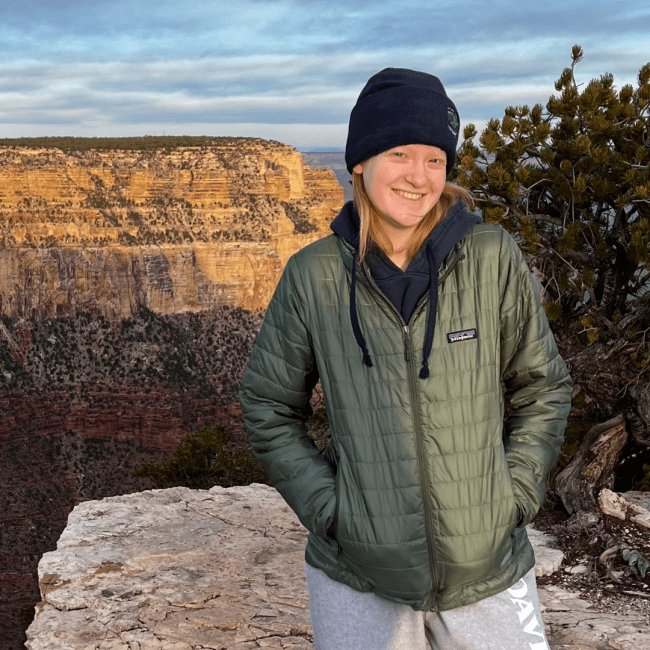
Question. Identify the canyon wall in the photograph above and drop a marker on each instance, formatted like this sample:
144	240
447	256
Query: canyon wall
130	279
173	230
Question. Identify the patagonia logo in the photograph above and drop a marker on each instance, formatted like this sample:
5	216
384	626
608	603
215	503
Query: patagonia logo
463	335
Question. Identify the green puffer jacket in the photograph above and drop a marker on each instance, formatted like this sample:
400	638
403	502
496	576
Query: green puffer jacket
425	489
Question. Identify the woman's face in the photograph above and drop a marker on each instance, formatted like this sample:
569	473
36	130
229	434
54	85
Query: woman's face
404	183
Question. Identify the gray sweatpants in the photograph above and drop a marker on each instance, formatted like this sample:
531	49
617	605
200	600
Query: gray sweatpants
344	619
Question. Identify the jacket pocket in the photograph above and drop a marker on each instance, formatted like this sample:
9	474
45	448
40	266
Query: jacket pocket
343	507
332	457
354	521
515	508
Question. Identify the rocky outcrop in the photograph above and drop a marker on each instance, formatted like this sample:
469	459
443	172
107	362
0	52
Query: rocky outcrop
105	232
176	569
573	624
185	569
547	558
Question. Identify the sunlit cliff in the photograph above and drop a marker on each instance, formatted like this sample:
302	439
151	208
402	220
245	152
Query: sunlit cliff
172	229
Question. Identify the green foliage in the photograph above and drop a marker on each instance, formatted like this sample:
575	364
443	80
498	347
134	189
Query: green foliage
206	458
145	143
200	353
636	560
553	311
571	181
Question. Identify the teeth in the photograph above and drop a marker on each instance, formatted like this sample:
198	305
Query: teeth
409	195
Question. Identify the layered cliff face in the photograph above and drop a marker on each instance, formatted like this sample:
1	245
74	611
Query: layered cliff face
173	230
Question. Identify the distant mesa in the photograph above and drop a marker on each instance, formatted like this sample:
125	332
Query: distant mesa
173	224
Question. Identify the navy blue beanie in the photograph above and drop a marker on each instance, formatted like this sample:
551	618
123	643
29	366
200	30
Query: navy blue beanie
399	107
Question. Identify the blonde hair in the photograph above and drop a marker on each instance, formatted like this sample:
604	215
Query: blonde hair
370	225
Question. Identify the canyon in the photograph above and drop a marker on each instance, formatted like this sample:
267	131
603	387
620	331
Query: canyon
173	230
132	284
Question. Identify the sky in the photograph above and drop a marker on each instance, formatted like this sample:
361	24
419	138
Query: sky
289	70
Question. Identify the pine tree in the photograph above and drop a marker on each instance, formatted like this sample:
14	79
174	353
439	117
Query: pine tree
571	182
574	182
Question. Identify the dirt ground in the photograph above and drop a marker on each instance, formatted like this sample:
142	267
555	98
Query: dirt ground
594	562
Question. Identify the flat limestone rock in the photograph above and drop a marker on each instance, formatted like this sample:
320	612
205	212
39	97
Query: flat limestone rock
640	500
572	624
176	569
547	558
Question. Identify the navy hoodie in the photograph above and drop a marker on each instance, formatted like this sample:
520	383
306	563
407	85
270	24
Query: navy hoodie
405	288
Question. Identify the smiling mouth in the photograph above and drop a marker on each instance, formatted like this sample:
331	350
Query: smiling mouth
408	195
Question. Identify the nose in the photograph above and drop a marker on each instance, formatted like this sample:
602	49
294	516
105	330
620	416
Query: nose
416	173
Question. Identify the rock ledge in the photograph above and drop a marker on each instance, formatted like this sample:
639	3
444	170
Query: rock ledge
176	569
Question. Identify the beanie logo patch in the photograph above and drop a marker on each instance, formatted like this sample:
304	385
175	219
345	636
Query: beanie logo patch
452	119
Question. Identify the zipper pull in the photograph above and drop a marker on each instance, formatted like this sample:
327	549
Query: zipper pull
406	343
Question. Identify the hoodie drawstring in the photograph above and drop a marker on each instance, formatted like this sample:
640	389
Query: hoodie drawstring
433	308
356	328
431	318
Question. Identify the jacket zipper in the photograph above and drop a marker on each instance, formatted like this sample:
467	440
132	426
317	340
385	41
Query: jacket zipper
407	352
424	475
417	425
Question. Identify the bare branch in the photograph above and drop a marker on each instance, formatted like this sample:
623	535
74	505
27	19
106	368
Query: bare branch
547	219
578	256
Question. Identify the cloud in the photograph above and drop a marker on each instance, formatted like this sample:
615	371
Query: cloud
288	64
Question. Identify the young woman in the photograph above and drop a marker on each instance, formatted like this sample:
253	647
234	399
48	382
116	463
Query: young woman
445	394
